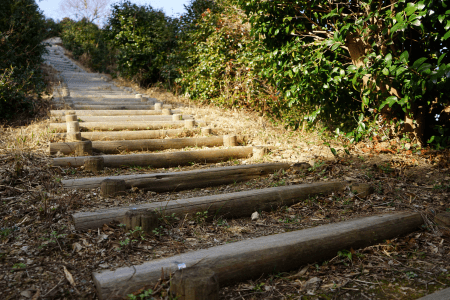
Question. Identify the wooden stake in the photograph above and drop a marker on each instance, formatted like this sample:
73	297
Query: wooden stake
72	126
71	118
259	152
147	220
158	106
189	124
177	117
195	284
166	112
94	164
206	131
72	137
229	140
83	148
112	187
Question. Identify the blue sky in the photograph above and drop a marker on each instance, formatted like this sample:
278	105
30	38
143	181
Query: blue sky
170	7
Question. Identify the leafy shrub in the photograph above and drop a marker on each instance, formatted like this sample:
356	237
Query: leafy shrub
144	37
340	62
22	29
88	43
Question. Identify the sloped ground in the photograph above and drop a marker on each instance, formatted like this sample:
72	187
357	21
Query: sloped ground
43	257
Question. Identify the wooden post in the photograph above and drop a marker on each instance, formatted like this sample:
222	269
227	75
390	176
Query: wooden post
94	164
229	140
177	117
195	284
112	187
73	129
71	118
206	130
259	152
189	124
138	96
166	112
83	148
148	220
73	136
158	106
73	126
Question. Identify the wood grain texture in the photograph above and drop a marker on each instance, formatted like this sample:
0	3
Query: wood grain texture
250	259
177	181
58	113
162	160
129	135
116	147
229	205
108	107
123	118
124	125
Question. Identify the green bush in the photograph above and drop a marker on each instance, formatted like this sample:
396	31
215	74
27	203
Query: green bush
88	43
345	63
144	38
22	30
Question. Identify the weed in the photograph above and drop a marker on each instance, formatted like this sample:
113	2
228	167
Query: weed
144	295
18	266
200	217
158	231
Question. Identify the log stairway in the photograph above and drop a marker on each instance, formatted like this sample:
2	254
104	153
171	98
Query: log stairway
97	125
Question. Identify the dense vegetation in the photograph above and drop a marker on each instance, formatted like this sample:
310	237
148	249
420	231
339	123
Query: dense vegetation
22	29
364	68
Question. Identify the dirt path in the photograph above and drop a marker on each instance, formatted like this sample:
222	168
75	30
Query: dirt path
44	256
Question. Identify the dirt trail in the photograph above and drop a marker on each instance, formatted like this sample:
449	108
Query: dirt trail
43	255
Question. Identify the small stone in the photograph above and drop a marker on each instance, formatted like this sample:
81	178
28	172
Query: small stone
104	266
255	216
27	294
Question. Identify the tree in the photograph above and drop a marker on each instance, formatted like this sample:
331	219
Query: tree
341	60
91	10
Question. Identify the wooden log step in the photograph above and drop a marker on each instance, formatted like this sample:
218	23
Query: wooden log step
124	118
230	205
250	259
115	147
134	102
127	135
123	125
110	107
57	113
177	181
162	160
441	295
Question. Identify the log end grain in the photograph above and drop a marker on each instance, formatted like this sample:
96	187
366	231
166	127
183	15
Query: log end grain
112	187
195	284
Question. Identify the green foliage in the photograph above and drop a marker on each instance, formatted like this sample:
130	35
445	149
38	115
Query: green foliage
22	30
144	38
144	295
337	62
87	43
